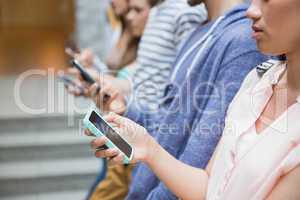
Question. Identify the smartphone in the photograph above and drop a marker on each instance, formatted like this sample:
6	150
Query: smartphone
69	82
85	75
99	127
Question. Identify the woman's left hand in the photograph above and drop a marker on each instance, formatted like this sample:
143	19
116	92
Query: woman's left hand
144	146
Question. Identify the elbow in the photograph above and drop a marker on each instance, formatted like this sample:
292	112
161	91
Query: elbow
113	64
199	195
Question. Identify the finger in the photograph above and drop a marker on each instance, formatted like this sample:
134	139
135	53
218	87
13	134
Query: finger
114	118
77	56
77	92
94	90
73	71
70	89
60	73
107	153
77	88
78	82
106	95
117	106
87	132
100	154
70	52
73	90
102	148
102	99
117	159
98	142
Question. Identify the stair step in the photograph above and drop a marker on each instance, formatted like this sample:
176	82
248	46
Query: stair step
10	188
36	169
74	195
40	123
44	145
45	152
18	178
47	137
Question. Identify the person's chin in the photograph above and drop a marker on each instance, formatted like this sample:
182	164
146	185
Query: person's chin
265	48
136	33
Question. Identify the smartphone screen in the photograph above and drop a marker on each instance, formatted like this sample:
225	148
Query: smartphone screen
85	75
114	137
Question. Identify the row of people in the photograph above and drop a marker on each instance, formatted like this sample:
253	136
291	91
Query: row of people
219	131
169	23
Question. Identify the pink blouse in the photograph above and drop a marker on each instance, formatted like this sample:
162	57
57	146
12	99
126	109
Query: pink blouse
248	165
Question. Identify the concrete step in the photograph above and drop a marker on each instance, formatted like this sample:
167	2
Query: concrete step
46	152
39	123
74	195
48	168
38	177
70	143
47	137
44	156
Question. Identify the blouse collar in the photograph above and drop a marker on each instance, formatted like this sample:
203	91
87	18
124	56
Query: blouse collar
274	74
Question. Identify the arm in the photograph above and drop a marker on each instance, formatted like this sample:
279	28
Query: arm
162	191
123	53
185	181
209	127
287	187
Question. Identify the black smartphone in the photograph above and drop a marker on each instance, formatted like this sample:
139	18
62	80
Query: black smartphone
85	75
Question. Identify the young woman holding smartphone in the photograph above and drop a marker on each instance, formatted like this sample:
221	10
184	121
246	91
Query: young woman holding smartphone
258	156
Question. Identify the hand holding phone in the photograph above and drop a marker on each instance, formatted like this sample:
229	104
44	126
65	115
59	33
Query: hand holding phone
95	123
83	72
87	77
69	82
88	58
69	51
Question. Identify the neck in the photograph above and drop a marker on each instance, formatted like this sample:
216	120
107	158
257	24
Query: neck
293	72
216	8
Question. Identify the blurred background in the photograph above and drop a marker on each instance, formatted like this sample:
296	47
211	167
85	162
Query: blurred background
43	154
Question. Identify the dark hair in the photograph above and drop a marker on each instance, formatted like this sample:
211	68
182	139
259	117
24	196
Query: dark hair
154	2
282	57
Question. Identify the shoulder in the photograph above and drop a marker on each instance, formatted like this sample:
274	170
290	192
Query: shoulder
179	9
237	45
171	5
195	14
264	67
258	72
237	35
252	80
